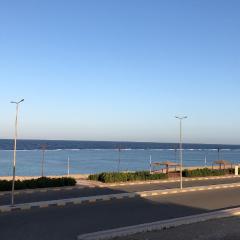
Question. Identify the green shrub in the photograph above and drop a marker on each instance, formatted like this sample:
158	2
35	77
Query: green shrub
230	171
93	177
203	172
42	182
110	177
5	185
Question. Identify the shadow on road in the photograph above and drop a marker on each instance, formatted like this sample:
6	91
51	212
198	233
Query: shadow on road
65	223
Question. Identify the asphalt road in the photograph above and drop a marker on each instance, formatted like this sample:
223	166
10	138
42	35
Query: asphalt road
227	229
65	223
63	194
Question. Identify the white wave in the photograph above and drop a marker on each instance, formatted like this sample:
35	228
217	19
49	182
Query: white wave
122	149
54	150
72	149
125	149
21	150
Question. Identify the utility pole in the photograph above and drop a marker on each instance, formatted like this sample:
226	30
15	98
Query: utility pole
119	157
219	153
150	163
43	147
15	151
68	167
180	118
175	153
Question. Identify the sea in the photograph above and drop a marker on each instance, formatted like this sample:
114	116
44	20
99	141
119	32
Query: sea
61	157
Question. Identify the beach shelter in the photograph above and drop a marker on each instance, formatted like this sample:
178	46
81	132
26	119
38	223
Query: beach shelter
222	163
167	165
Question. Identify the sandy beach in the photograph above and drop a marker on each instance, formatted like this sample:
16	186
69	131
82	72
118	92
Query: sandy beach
85	176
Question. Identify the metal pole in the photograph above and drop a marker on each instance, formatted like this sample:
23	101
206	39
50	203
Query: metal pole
150	162
43	158
181	150
119	159
15	152
14	156
181	161
175	151
68	170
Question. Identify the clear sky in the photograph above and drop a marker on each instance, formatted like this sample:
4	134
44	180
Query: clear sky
121	70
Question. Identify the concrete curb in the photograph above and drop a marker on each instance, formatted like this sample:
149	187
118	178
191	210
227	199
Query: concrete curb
108	197
163	181
186	190
160	225
64	202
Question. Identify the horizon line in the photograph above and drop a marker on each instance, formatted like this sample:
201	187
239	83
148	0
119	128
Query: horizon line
118	141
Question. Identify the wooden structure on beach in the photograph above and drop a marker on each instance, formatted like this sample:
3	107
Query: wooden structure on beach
221	163
167	165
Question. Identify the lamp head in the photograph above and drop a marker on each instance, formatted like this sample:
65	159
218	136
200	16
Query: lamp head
181	117
17	102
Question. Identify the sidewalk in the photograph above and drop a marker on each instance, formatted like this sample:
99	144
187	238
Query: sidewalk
220	229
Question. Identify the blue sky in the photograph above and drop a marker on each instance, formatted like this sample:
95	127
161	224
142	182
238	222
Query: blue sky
121	70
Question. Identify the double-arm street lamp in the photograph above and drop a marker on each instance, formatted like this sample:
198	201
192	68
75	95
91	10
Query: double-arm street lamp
180	148
14	152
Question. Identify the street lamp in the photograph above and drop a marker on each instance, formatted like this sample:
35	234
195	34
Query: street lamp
180	148
119	158
68	167
43	157
14	152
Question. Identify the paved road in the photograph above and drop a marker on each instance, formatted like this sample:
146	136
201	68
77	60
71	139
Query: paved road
62	194
227	229
65	223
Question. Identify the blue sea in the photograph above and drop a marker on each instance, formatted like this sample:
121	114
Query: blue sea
98	156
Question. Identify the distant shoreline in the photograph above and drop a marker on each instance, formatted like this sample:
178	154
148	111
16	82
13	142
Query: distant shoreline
31	144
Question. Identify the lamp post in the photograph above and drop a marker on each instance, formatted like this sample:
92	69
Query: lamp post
150	163
119	158
180	118
44	146
219	153
68	166
14	152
